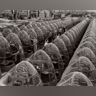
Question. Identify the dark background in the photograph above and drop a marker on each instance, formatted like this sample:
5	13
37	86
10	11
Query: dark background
47	4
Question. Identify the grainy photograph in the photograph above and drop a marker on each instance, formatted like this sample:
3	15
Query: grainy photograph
47	47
